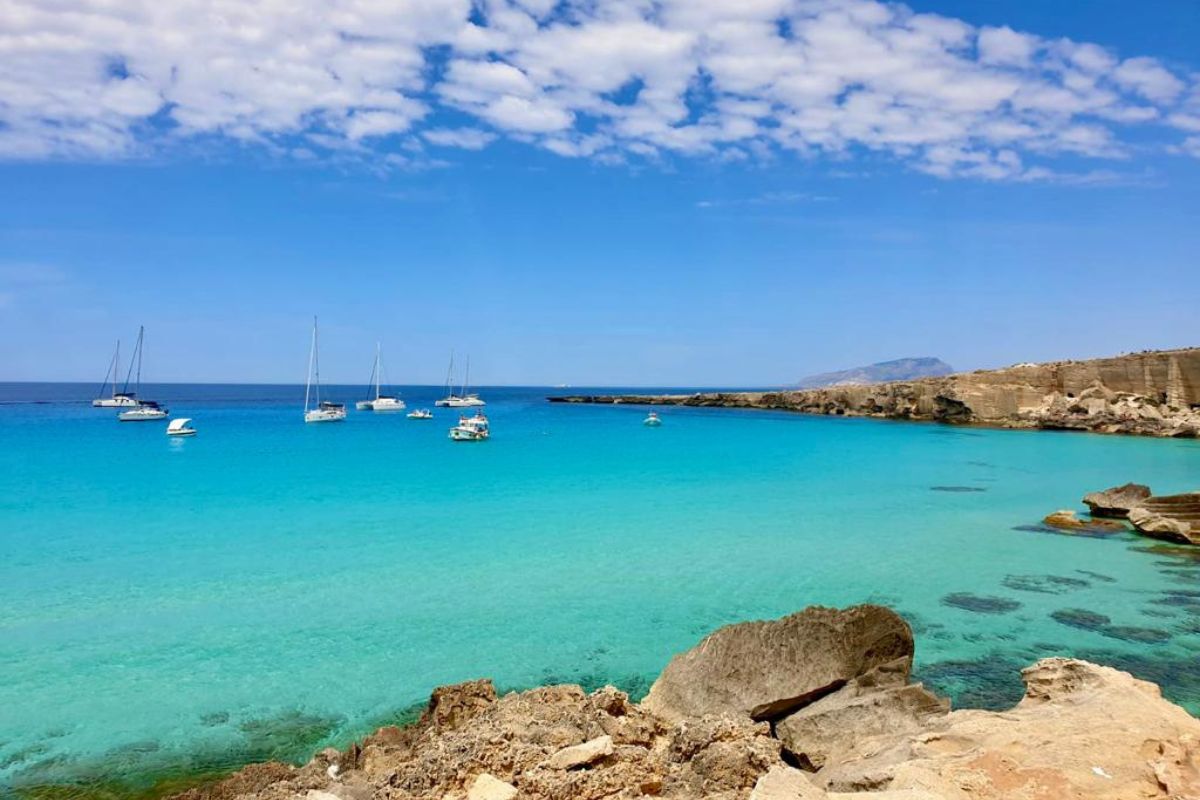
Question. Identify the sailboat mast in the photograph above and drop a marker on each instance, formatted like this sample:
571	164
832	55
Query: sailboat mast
137	350
450	374
377	354
467	376
116	365
316	361
312	353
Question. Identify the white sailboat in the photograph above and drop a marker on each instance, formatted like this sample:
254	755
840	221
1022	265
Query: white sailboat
143	410
122	399
463	399
382	402
323	410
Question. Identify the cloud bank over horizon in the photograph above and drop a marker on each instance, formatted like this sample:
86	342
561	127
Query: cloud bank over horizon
405	84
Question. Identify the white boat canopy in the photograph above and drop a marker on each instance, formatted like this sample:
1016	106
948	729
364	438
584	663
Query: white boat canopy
179	424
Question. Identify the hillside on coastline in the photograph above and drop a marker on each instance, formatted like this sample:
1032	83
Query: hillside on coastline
1153	393
818	705
900	369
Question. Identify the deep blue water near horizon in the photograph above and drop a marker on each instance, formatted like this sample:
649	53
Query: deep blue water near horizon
182	606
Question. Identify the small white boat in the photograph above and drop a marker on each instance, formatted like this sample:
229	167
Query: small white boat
146	411
471	429
420	413
179	427
462	399
324	410
652	420
363	405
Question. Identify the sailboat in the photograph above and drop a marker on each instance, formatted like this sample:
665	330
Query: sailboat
120	399
382	402
463	399
143	410
323	411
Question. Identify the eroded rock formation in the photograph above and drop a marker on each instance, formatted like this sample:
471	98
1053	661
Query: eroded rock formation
1175	518
1081	731
1117	501
1150	394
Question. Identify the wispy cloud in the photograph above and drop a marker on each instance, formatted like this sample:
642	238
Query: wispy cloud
618	82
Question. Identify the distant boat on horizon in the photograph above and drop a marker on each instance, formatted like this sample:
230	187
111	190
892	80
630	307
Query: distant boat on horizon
381	402
121	399
463	399
324	410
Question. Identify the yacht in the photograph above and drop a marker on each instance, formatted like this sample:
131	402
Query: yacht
179	427
420	413
470	429
143	410
463	399
382	402
322	410
652	420
146	411
122	399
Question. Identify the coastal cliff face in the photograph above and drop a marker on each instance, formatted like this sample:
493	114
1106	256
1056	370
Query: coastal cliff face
764	711
1148	394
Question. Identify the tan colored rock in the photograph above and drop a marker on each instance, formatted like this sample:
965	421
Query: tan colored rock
764	670
1082	732
581	754
1117	501
1175	518
489	787
1065	519
782	782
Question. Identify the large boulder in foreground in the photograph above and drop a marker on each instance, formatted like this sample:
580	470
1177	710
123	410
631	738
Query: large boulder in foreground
1116	502
766	669
1175	518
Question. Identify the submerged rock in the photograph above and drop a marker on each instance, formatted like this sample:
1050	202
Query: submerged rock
980	604
763	670
1117	501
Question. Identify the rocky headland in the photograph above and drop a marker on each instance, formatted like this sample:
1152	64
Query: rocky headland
1148	394
817	705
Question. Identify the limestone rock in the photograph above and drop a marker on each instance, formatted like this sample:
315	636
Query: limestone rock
489	787
580	755
766	669
1117	501
833	725
782	782
1066	520
1175	518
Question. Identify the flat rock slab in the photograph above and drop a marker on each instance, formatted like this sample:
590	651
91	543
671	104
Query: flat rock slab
766	669
581	755
782	782
1117	501
489	787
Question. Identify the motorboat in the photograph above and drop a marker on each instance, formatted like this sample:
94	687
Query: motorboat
463	398
652	420
471	429
146	411
179	427
420	413
323	410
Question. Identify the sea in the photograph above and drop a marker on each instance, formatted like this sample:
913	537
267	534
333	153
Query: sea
171	609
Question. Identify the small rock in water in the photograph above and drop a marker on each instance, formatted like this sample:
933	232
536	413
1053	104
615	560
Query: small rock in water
981	604
1066	520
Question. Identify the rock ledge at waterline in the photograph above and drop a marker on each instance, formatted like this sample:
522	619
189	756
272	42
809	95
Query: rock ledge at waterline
1154	393
766	711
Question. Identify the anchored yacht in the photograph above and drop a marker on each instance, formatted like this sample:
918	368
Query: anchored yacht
323	410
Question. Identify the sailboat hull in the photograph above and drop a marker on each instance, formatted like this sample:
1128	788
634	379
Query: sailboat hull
114	402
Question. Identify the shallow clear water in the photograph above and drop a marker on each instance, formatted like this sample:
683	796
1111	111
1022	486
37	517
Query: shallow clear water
174	607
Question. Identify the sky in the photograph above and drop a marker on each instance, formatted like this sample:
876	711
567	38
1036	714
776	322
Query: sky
672	193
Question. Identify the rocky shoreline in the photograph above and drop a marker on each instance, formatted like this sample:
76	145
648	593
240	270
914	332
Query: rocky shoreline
1144	394
818	705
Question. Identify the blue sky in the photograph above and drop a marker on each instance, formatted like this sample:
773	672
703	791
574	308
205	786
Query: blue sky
636	195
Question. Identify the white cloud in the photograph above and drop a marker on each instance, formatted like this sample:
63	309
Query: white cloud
614	81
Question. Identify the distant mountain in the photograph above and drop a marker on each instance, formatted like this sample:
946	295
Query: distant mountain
902	369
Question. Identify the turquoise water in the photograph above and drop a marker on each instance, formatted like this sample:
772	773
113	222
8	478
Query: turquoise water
175	607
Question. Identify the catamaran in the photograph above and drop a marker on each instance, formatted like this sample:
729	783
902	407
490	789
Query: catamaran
463	399
382	402
324	410
122	399
143	410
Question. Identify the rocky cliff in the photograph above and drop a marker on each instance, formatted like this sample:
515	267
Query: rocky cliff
815	706
1150	394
